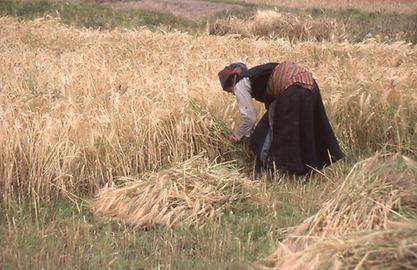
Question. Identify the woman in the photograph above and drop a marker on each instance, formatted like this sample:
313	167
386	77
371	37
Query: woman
294	135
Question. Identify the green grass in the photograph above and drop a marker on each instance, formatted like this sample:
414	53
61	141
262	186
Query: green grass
62	234
361	25
89	15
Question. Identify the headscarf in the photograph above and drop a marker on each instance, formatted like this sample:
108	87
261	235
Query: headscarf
227	75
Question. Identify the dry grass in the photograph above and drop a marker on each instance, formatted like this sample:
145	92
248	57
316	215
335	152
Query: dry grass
274	25
342	26
366	222
393	248
187	193
399	6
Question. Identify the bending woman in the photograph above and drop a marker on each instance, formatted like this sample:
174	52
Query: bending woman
294	134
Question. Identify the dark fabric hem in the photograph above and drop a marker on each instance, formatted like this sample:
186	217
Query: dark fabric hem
302	137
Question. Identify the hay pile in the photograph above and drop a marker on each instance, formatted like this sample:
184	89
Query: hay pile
274	24
189	192
371	222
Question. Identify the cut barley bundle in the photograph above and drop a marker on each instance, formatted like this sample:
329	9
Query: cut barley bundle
189	193
274	24
294	27
393	248
370	202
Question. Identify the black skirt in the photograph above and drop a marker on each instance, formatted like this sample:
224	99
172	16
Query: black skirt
300	137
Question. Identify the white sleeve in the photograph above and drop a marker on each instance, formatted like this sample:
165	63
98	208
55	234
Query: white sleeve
243	95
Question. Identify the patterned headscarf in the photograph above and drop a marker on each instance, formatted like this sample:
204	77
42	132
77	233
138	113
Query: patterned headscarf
227	75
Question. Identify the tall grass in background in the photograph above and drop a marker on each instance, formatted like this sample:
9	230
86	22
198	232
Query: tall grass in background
385	6
80	108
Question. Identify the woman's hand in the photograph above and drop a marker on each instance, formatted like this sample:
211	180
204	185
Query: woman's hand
233	139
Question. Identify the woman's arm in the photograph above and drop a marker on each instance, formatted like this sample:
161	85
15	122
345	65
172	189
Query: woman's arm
243	95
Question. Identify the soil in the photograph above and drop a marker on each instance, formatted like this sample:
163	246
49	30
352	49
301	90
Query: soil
192	10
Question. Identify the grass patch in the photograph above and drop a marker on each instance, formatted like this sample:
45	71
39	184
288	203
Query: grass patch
90	15
67	235
361	25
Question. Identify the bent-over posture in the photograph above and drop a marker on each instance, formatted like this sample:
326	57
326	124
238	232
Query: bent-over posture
294	134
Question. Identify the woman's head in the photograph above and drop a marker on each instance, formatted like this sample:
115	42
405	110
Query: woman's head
228	75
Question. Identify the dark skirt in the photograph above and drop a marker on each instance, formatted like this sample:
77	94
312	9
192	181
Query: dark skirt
301	138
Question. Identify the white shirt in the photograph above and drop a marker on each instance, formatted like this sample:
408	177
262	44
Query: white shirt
243	93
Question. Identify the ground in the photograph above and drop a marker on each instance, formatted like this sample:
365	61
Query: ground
193	10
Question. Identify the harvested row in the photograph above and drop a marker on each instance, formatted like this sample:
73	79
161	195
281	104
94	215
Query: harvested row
188	193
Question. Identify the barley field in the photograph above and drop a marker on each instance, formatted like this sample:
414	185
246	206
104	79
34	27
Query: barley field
114	154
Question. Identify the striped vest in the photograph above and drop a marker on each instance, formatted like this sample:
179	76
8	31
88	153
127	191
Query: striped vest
286	74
